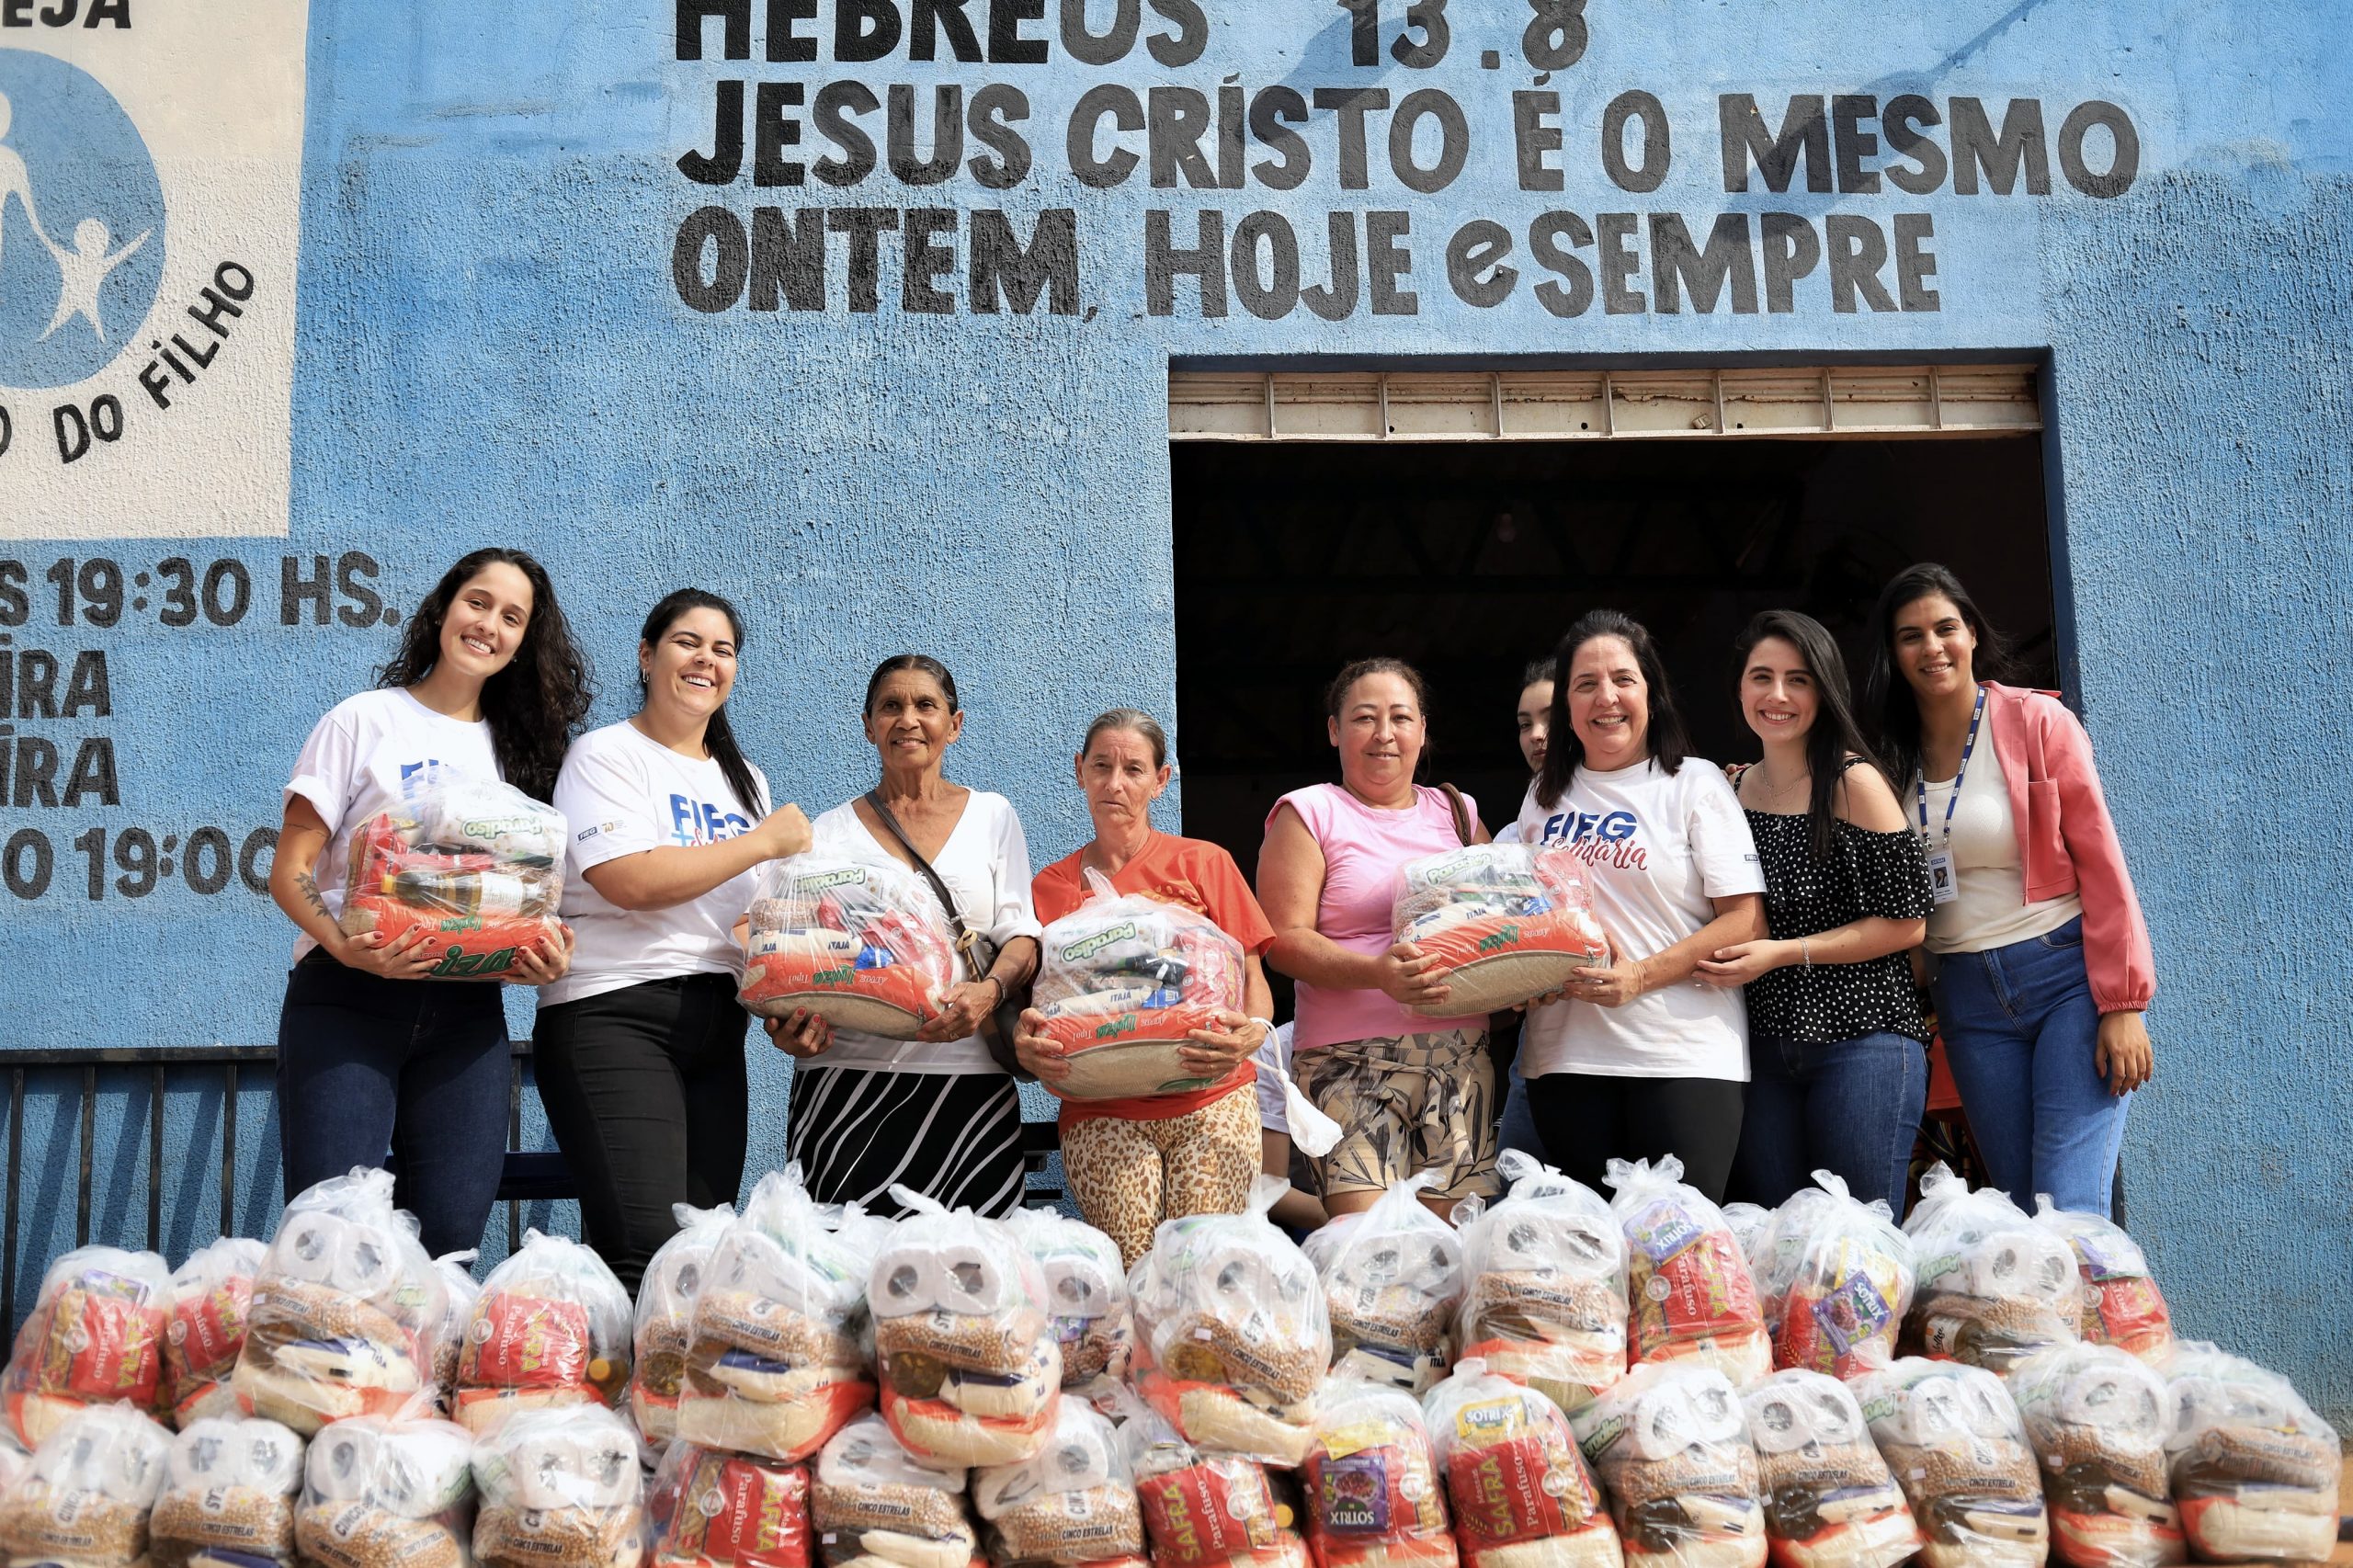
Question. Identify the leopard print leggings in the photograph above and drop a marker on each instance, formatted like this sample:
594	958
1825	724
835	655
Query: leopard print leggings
1130	1176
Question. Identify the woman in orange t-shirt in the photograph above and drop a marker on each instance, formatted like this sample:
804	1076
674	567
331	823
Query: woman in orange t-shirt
1134	1163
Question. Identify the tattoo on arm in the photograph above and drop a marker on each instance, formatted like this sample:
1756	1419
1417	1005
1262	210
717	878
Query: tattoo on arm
308	886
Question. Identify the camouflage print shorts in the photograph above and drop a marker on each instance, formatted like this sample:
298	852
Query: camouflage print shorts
1412	1103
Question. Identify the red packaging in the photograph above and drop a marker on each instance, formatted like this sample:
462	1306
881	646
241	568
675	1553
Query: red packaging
1372	1488
728	1509
480	945
524	1342
1208	1512
100	1346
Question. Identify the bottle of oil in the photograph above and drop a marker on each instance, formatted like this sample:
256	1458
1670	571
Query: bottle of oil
486	894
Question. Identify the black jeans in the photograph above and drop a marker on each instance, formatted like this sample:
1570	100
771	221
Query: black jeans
1587	1119
645	1087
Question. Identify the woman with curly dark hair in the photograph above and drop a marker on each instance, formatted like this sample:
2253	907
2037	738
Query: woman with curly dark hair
372	1058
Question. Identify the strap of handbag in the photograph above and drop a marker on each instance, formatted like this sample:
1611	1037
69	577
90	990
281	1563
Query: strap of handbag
996	1029
1462	813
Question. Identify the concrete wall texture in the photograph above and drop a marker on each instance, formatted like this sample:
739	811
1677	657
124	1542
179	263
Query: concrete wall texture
493	343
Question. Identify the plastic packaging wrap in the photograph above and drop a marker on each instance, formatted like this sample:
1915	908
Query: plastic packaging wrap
1952	1438
1393	1282
1546	1303
1994	1286
1521	1492
1504	922
347	1310
1849	1284
2254	1470
550	1328
710	1509
970	1375
1087	1309
1774	1255
85	1497
387	1493
1670	1443
212	1293
1829	1500
2096	1418
1687	1283
95	1337
1123	981
1204	1510
1751	1223
1374	1497
776	1361
1074	1503
560	1488
456	1270
14	1460
1235	1337
861	943
476	864
228	1497
874	1505
2123	1305
664	1327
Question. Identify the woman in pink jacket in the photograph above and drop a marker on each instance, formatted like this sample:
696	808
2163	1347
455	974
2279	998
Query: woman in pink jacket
2043	960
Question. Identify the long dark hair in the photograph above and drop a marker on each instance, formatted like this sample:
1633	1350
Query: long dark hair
1670	743
718	735
539	701
1356	670
1834	736
1885	691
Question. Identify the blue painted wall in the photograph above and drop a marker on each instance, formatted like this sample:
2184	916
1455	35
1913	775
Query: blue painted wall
491	347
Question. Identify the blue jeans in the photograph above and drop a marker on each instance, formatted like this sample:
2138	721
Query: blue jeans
2020	1029
1519	1120
1851	1107
415	1070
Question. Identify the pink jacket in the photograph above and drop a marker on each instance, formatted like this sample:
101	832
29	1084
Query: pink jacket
2067	842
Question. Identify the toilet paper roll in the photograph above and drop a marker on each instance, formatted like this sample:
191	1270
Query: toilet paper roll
1077	1457
341	1464
327	1249
260	1455
414	1470
2128	1405
1793	1410
864	1453
1081	1285
564	1462
2026	1264
1690	1406
106	1452
972	1275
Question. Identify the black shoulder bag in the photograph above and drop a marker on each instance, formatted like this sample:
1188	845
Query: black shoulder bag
978	952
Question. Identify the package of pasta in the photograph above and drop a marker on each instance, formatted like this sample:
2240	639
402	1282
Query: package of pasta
1502	922
874	1504
1848	1283
96	1337
969	1373
380	1492
1087	1309
664	1326
1519	1491
2123	1305
228	1496
550	1329
1374	1495
1829	1500
560	1487
1393	1282
1687	1282
2097	1417
1124	980
2254	1470
347	1311
776	1355
861	943
1994	1286
1074	1503
1670	1445
85	1498
474	864
1206	1510
1546	1298
1234	1336
709	1509
1951	1437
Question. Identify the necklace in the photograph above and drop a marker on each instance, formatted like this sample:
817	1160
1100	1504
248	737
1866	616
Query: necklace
1774	792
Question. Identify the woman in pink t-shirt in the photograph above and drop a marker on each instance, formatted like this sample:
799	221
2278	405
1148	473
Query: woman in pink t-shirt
1411	1093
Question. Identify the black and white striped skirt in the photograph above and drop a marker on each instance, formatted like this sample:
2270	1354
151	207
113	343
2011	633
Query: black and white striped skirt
955	1136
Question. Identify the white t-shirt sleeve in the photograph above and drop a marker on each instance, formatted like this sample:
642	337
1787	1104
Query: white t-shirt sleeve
1014	915
1721	845
1507	833
602	793
325	773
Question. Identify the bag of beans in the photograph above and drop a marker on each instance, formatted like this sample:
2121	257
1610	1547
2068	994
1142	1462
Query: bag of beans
1950	1435
85	1497
228	1497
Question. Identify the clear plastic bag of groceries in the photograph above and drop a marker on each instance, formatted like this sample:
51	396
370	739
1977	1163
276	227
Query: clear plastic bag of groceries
1521	1494
347	1310
1504	922
1234	1335
1773	1259
861	942
1687	1282
1546	1303
1124	980
714	1510
96	1337
1087	1309
378	1491
475	864
777	1354
212	1293
1829	1500
2254	1470
970	1373
1994	1286
1374	1495
86	1493
1393	1282
1074	1503
1670	1444
2097	1419
1849	1283
455	1269
874	1502
550	1328
1202	1509
1952	1438
561	1488
2123	1305
1750	1224
664	1323
228	1496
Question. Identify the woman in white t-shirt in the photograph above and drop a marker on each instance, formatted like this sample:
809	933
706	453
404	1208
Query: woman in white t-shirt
939	1114
1638	1060
373	1059
639	1051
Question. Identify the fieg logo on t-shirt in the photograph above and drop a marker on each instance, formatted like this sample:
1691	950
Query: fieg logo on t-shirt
1600	837
699	822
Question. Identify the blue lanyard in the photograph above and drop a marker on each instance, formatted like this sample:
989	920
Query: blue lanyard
1921	783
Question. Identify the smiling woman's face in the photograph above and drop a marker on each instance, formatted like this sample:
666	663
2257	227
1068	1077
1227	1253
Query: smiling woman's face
485	621
1610	704
1379	735
910	723
1934	647
691	670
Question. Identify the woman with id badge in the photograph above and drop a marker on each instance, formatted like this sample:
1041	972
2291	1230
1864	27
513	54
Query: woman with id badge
2043	962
